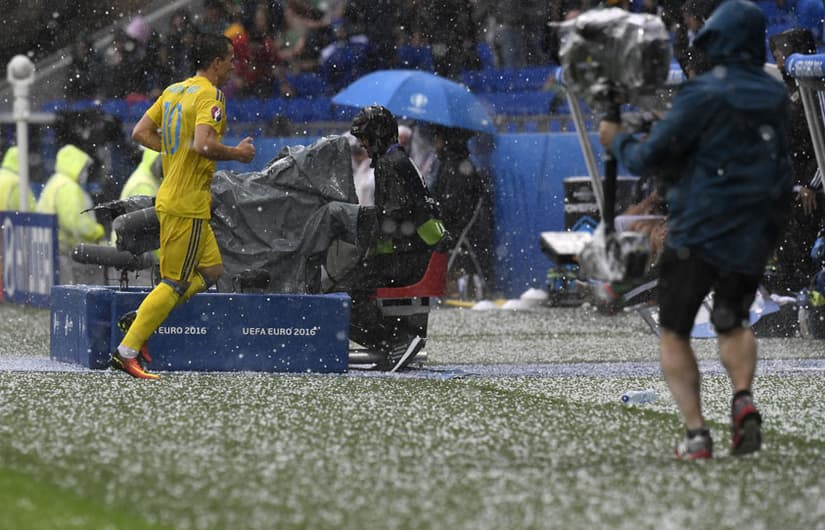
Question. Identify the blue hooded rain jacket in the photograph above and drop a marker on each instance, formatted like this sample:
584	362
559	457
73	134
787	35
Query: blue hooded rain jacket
724	141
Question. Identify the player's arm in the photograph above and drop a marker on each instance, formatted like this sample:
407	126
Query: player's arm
147	133
208	145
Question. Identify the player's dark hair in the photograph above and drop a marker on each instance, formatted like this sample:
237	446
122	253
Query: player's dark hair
208	47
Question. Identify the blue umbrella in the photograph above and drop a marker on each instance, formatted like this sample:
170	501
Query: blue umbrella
419	96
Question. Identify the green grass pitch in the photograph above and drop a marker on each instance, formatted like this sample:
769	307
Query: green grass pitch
96	449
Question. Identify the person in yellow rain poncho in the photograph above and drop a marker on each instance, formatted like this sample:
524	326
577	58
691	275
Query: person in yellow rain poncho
144	180
65	197
10	184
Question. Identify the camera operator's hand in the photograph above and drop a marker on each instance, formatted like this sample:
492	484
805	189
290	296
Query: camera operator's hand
807	197
607	131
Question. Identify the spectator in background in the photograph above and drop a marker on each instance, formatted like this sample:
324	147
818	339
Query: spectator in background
259	69
405	137
292	36
65	197
143	51
422	151
84	74
517	31
794	266
805	14
694	14
344	60
10	184
463	198
214	18
319	34
452	38
125	65
378	20
176	48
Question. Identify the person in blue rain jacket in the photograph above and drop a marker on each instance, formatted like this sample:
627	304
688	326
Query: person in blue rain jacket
724	145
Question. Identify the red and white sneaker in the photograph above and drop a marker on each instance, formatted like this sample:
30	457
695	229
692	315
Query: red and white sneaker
695	447
131	366
124	323
746	426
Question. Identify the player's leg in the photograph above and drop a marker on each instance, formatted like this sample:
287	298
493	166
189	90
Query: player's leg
737	348
684	282
209	266
181	250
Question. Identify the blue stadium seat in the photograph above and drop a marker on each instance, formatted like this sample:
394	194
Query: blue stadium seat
245	110
486	55
485	80
416	58
519	104
307	84
507	79
522	79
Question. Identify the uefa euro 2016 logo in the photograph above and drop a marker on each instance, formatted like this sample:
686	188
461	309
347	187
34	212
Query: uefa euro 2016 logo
417	103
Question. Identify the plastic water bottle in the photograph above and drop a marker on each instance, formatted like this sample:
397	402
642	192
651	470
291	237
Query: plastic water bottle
637	397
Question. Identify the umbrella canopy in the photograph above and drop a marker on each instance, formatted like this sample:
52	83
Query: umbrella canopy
419	96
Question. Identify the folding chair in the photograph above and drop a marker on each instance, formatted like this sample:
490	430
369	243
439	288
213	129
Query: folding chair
463	245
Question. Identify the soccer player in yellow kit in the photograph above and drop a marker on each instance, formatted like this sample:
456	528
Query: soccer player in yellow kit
186	125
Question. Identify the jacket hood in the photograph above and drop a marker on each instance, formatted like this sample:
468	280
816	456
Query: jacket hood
70	161
10	160
734	33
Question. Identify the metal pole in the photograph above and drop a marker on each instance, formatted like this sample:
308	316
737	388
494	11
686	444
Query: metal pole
23	163
587	150
810	96
20	73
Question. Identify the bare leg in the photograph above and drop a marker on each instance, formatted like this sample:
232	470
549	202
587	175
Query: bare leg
737	349
682	375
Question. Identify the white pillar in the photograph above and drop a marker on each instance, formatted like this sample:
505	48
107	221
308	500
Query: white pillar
20	73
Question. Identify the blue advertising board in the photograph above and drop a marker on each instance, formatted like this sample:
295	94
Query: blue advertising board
211	332
29	257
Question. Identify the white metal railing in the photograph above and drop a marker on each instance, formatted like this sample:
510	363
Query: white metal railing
809	72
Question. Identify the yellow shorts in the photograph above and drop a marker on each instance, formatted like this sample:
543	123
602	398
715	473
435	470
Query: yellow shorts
186	245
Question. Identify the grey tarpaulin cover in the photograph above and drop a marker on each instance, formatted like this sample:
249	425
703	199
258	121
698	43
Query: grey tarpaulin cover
286	216
283	219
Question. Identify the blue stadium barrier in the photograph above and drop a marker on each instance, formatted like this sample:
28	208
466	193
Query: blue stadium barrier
528	182
318	108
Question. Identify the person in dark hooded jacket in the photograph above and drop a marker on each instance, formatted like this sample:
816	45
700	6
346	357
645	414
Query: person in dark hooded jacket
397	236
728	200
794	268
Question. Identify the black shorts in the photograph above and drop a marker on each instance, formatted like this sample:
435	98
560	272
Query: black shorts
684	282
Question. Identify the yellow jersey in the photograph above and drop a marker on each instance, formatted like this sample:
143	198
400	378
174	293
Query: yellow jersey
186	189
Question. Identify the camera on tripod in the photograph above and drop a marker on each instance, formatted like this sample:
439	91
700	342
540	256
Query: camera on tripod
610	58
